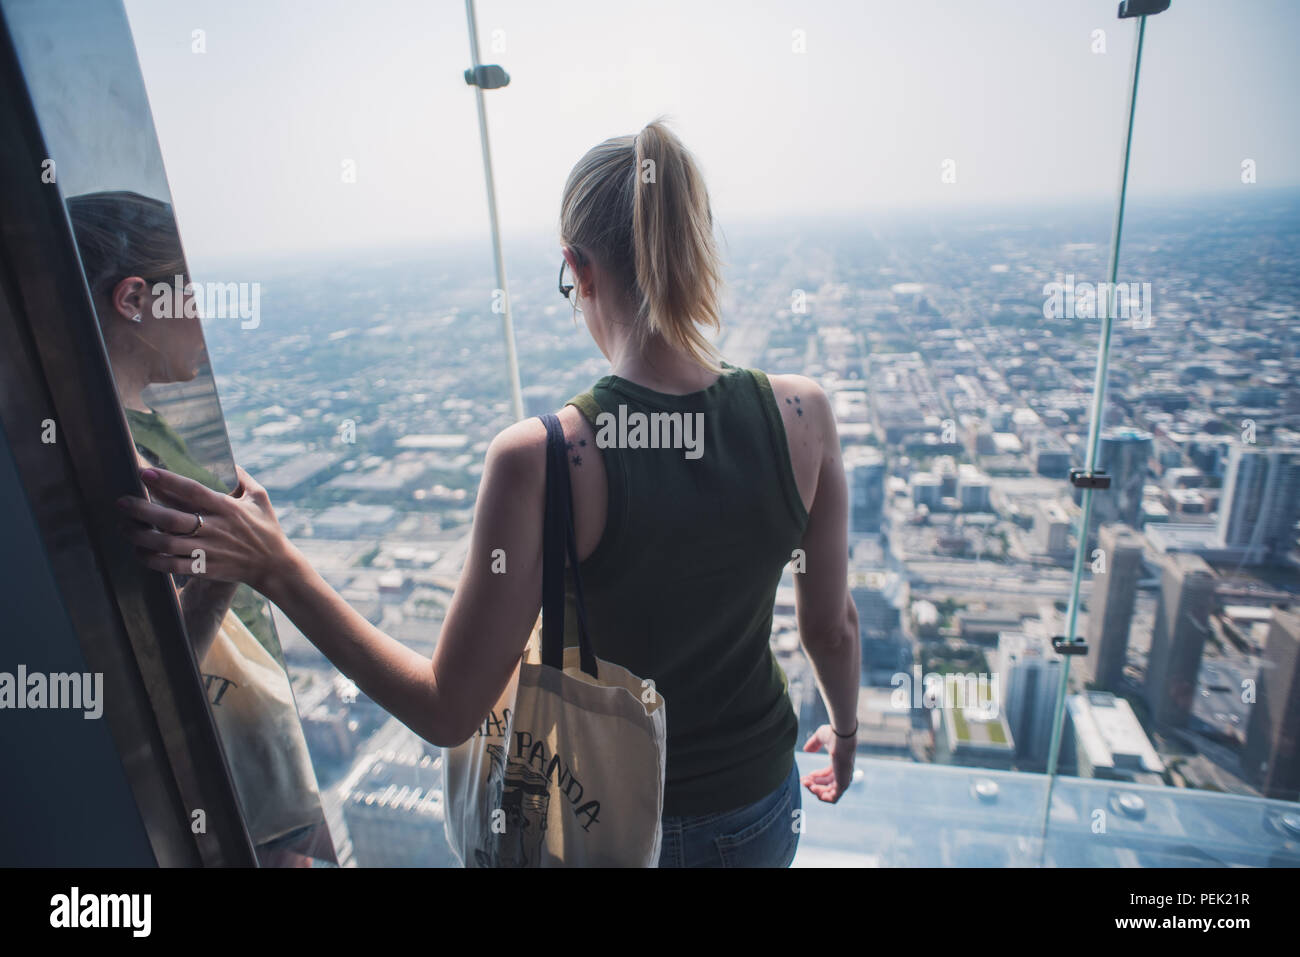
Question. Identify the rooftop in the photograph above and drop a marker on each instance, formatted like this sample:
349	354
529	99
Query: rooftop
1110	732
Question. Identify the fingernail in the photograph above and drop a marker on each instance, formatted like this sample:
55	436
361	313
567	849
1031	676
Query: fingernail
148	475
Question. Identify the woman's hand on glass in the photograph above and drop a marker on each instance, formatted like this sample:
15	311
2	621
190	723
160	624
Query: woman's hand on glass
232	538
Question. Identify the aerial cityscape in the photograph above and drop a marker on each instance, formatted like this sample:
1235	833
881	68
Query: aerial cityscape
365	398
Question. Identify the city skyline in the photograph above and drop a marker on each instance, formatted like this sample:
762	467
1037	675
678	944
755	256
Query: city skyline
905	347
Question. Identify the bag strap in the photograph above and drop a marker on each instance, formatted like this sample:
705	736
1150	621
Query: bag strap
558	541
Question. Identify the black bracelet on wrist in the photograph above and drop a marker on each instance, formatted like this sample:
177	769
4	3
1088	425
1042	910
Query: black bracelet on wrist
851	734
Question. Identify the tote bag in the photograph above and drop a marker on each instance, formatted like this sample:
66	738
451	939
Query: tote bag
249	693
567	769
257	720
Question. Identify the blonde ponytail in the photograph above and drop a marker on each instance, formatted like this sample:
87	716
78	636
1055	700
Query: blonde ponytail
640	205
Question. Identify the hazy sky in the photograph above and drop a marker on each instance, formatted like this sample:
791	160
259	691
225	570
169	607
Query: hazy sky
255	130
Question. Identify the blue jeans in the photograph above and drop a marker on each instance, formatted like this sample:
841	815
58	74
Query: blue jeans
762	834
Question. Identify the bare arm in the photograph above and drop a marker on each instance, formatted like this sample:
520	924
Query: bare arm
828	619
487	624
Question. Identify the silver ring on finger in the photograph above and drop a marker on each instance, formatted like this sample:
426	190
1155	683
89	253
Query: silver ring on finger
198	524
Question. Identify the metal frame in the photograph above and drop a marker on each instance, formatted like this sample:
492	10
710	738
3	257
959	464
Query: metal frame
53	364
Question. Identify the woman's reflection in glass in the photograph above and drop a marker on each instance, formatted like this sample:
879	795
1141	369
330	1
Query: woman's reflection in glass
129	249
131	254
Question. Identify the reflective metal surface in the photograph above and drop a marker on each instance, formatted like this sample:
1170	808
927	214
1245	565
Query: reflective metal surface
80	67
71	450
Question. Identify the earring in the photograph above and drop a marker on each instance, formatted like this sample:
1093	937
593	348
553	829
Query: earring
136	318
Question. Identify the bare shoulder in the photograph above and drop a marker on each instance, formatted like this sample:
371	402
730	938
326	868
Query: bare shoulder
575	423
520	449
809	429
518	453
791	385
804	404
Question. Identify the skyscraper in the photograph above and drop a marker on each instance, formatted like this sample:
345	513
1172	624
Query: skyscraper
1182	625
973	489
1123	453
876	596
1031	677
1261	502
1114	591
1272	754
866	472
394	811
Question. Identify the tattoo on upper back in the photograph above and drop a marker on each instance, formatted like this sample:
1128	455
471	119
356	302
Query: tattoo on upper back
577	459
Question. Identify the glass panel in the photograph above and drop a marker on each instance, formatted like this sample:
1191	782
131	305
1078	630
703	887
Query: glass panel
365	396
963	393
919	815
85	82
1188	590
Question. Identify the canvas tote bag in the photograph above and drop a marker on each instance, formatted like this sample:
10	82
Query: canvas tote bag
567	769
253	706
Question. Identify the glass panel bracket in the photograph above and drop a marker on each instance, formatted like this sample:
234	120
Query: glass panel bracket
1064	646
1141	8
1082	478
488	76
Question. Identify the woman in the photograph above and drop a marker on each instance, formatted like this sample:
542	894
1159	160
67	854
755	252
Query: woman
680	549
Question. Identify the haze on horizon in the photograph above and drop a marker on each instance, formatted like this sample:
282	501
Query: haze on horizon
255	130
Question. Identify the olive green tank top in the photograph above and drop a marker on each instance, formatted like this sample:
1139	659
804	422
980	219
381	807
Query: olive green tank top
680	589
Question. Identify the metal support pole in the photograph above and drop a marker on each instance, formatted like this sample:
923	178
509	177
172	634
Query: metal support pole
508	326
1094	431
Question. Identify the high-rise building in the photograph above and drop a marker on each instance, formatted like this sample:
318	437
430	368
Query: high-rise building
1050	456
394	811
1261	502
1114	591
866	474
1271	757
945	466
1182	625
1109	741
1210	453
927	489
1051	529
1123	453
1030	679
877	596
973	489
